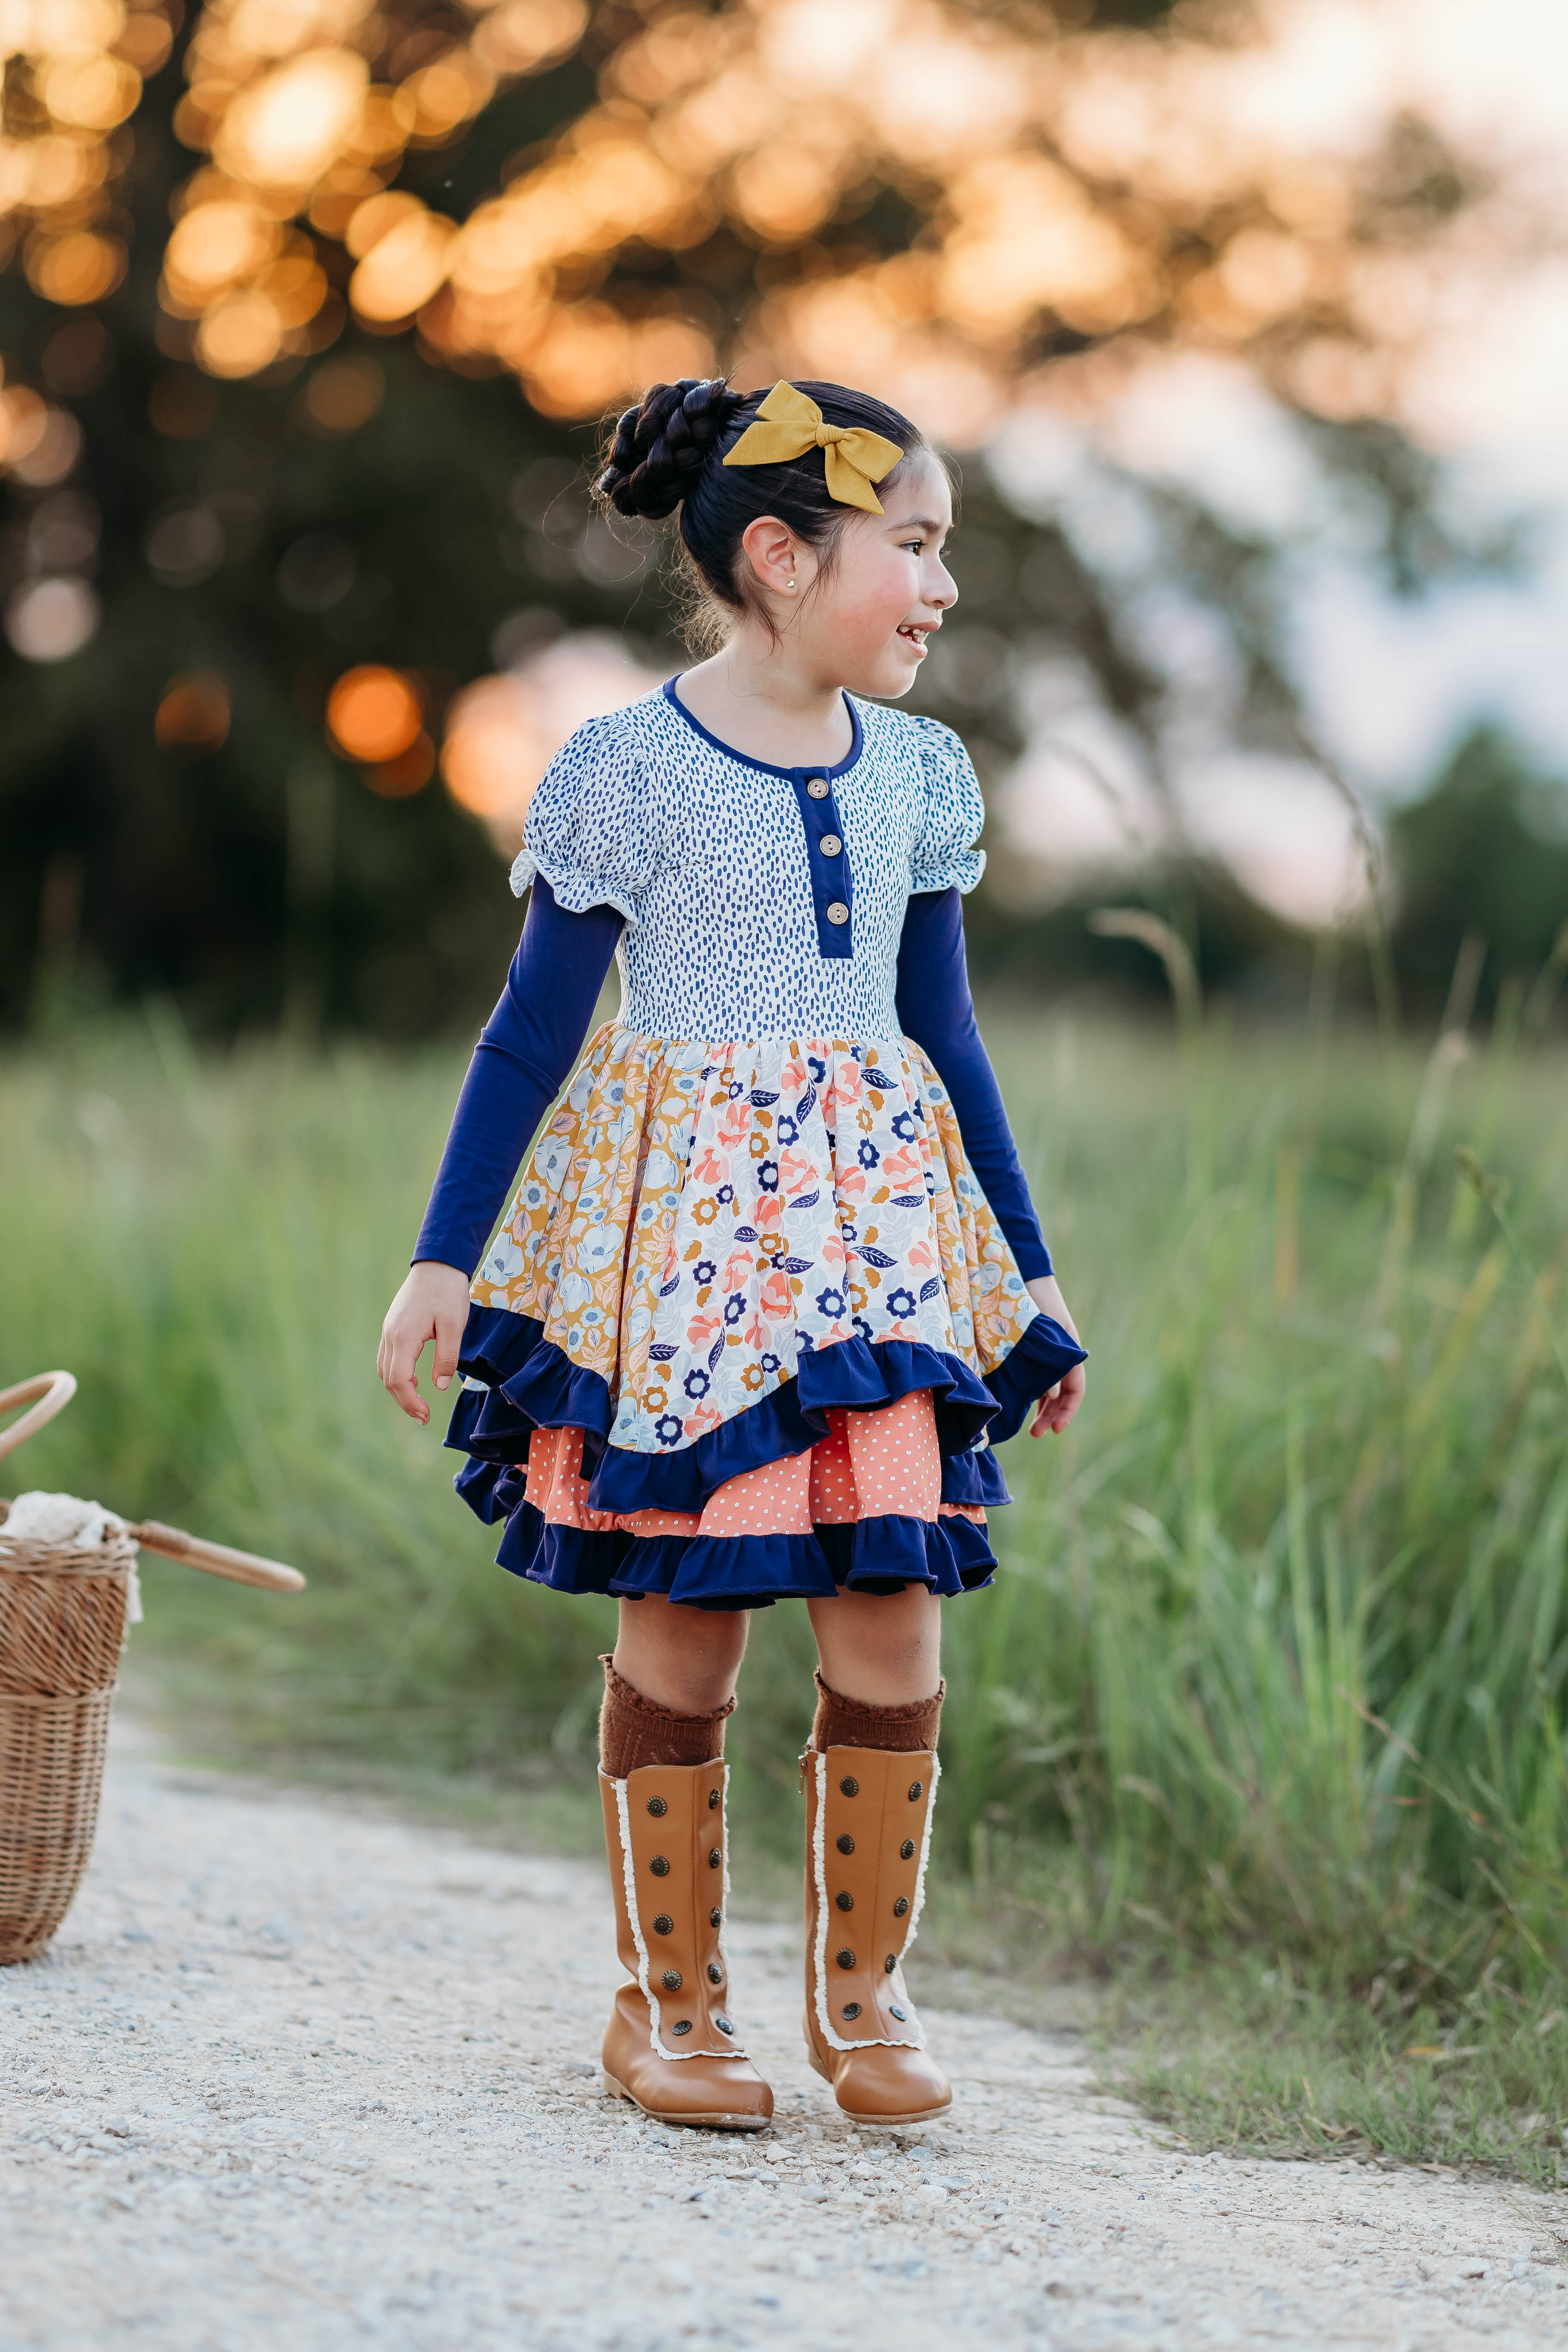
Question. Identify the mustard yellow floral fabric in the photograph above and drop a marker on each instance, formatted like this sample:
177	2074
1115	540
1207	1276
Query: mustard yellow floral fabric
695	1216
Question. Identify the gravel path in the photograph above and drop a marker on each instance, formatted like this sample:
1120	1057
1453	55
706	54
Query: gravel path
294	2077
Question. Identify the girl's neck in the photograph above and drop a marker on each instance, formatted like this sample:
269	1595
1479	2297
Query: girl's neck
764	700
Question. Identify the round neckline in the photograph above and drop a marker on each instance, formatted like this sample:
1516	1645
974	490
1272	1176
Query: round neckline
767	767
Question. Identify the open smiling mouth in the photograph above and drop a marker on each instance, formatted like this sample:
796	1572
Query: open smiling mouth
912	635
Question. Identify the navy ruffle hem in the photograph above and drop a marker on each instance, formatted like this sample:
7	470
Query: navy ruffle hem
529	1383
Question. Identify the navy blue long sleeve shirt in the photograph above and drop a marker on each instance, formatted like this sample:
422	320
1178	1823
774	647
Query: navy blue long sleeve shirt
529	1043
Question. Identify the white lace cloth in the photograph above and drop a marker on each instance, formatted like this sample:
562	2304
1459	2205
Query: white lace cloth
38	1517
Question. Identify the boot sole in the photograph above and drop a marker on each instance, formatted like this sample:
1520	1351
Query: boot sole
916	2116
615	2090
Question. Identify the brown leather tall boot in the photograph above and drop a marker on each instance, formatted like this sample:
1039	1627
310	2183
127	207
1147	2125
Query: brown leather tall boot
867	1826
670	2045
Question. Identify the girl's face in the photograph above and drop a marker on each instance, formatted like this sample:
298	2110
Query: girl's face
862	620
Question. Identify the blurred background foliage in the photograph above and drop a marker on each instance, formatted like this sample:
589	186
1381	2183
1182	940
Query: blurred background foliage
313	311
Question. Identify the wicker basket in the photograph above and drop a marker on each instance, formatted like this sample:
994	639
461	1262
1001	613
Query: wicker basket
62	1622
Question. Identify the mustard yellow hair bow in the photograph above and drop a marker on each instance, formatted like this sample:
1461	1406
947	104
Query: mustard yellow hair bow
789	423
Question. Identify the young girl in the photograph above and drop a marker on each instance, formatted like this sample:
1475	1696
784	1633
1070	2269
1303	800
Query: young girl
772	1282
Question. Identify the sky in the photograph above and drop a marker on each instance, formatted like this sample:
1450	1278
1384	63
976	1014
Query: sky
1391	684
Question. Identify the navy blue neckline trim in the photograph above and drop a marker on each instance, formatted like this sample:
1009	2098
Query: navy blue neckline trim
858	740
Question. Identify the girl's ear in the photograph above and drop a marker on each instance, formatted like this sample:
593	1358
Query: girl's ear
772	552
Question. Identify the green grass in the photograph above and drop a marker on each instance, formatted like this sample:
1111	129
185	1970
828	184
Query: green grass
1261	1721
1258	2064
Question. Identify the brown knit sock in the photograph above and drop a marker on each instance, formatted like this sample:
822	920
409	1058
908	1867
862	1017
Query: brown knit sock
851	1723
633	1731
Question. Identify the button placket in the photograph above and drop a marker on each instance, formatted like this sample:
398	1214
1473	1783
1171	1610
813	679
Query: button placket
831	881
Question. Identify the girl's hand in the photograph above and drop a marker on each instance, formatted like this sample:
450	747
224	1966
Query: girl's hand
1059	1404
433	1304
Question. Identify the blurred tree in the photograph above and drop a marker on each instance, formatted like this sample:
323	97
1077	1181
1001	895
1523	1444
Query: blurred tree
1483	855
314	305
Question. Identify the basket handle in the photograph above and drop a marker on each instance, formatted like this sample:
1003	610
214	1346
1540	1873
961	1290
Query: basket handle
54	1392
216	1559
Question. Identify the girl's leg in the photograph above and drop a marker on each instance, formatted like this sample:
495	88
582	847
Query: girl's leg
668	1690
684	1661
883	1649
870	1769
670	1685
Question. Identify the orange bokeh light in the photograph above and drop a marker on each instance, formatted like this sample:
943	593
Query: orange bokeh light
400	779
404	268
242	334
80	267
374	715
344	395
192	713
286	129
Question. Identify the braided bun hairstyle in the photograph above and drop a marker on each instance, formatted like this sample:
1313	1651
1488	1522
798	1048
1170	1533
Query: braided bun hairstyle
669	452
660	445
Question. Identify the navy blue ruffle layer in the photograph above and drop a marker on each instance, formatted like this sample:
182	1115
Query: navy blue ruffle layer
1044	1353
533	1384
975	1478
948	1556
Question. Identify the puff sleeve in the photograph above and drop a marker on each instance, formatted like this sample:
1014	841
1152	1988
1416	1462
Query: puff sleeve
591	828
944	857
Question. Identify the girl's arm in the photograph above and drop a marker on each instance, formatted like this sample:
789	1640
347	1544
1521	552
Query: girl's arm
936	1007
523	1057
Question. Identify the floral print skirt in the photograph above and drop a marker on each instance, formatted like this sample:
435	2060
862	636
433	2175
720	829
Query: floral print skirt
748	1329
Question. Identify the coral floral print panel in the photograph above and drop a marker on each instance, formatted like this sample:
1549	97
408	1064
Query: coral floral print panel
869	1464
695	1216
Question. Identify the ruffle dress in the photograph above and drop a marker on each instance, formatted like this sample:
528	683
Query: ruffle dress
749	1329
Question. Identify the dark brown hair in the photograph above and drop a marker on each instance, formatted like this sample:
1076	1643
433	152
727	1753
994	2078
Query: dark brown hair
668	452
